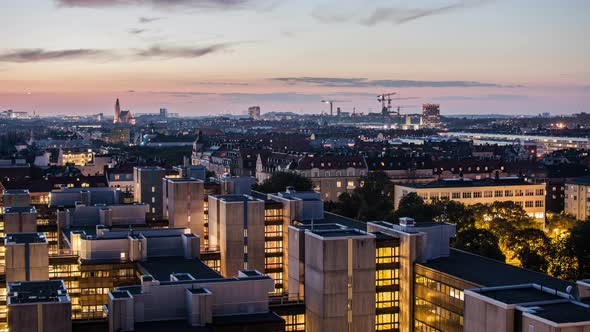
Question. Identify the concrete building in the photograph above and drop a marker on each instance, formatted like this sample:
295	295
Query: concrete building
238	304
530	196
148	189
100	214
27	257
39	306
19	220
236	228
183	203
577	198
16	198
70	197
527	307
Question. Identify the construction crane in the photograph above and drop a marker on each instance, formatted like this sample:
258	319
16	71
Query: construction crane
386	97
331	102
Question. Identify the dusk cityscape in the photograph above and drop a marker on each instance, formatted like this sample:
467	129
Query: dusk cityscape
310	166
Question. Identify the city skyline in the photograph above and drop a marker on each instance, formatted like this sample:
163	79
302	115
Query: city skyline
208	57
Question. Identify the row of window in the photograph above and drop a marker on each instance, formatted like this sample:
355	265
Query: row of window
480	194
437	314
439	287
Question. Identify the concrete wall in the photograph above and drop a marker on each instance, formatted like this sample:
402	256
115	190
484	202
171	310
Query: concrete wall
336	264
487	315
183	204
17	262
20	222
46	317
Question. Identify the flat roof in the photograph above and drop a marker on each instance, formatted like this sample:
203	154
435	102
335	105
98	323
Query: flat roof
564	312
25	238
347	232
584	180
234	198
20	209
227	321
331	218
515	295
180	180
487	272
162	267
464	182
16	191
36	292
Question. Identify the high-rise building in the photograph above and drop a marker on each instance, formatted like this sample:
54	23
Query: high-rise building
431	115
183	203
577	198
236	228
148	189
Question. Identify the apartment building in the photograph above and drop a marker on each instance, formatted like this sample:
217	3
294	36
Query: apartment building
577	198
183	203
530	196
148	189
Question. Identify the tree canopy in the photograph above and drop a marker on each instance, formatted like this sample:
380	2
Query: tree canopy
279	182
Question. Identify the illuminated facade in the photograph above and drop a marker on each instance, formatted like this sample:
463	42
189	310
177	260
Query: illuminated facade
529	196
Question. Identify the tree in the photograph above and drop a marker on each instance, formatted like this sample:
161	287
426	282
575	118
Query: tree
531	247
563	263
560	222
580	246
455	213
279	182
413	206
367	202
481	242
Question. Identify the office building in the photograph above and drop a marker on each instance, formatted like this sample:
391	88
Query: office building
528	195
148	189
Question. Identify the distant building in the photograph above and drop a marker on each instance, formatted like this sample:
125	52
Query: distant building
254	112
431	115
163	113
122	116
529	196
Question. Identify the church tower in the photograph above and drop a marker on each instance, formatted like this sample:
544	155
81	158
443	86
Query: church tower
117	112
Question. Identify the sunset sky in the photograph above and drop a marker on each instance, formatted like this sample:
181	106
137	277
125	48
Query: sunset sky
199	57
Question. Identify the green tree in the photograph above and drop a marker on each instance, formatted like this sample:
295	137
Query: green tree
369	201
455	213
560	222
481	242
580	246
531	247
279	182
413	206
563	263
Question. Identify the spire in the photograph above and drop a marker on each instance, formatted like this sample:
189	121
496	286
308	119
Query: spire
117	111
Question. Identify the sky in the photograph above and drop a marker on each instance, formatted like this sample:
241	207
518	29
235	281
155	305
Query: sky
207	57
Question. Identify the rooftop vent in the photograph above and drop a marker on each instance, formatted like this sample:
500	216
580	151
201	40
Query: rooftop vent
290	190
405	221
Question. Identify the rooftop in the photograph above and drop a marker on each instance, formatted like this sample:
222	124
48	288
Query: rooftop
181	180
515	295
584	180
564	312
37	292
16	191
331	233
331	218
162	267
19	238
487	272
20	209
464	182
234	198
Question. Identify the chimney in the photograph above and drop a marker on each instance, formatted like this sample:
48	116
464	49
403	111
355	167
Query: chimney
407	222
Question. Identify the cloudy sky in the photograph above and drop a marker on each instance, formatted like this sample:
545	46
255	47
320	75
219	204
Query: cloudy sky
199	57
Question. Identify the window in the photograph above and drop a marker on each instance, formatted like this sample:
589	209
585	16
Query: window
466	195
433	196
539	203
456	195
350	184
498	193
338	184
508	193
477	194
528	204
530	192
540	192
518	192
488	194
153	189
445	196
